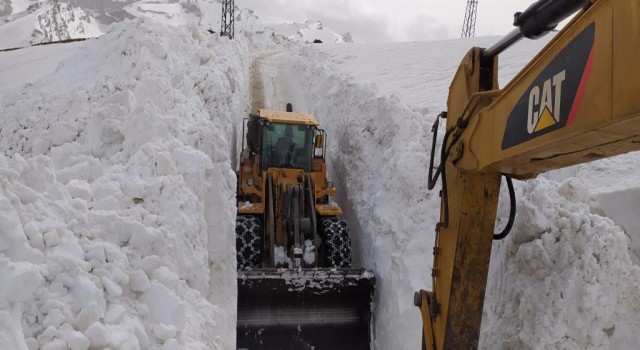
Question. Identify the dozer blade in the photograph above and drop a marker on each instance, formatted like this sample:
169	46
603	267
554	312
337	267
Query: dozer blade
304	309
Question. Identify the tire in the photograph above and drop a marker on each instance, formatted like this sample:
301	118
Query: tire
336	242
249	242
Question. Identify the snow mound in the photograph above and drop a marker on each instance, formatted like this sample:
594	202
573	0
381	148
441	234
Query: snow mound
308	32
564	278
168	13
117	194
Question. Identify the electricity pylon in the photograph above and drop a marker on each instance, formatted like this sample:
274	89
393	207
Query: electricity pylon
227	22
469	25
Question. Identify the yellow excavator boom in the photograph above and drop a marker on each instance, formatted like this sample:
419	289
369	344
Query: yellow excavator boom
578	100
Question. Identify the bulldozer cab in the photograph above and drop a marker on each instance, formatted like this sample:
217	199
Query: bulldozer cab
287	146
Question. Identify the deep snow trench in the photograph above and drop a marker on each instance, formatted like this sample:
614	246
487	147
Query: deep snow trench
376	238
563	263
117	195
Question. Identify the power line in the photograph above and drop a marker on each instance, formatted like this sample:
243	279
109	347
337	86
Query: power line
469	25
227	23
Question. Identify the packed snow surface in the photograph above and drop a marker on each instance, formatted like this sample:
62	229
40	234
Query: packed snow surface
117	191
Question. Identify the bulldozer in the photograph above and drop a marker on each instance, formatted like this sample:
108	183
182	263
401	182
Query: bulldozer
297	288
575	102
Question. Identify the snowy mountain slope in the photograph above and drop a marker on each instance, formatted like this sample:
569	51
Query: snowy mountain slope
117	194
28	22
169	13
53	21
307	32
41	60
9	7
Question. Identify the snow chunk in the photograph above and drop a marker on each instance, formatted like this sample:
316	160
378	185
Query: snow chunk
309	256
32	231
165	276
88	316
115	313
164	332
165	308
96	252
47	335
13	242
138	281
76	340
80	189
56	344
54	318
51	238
113	289
97	334
140	333
19	280
279	256
32	344
86	294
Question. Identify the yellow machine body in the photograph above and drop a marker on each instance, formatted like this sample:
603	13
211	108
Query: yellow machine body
296	286
578	100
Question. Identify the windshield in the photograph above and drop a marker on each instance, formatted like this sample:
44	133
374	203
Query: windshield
287	146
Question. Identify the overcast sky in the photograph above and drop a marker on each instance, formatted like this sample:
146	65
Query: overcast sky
392	20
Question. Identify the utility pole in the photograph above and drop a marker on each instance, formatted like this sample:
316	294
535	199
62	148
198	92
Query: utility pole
227	23
469	25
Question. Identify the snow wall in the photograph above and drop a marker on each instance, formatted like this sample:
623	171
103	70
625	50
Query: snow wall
378	155
117	194
562	280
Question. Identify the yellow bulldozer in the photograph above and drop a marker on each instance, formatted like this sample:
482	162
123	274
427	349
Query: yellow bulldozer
296	286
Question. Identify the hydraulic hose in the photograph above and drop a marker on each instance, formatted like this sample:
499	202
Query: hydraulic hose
512	211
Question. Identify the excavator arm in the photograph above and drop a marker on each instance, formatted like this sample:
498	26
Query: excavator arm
578	100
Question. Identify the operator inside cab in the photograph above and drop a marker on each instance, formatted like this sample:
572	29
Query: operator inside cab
287	146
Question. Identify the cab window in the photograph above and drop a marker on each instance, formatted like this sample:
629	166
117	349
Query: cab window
287	146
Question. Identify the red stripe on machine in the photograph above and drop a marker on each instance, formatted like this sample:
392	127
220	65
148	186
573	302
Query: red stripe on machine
577	102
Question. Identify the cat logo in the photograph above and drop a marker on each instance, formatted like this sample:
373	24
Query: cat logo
544	109
553	98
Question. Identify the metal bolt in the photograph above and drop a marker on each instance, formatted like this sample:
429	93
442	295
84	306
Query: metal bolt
417	298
